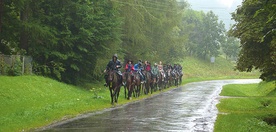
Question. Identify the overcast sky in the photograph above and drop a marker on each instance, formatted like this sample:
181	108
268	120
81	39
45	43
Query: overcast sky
222	8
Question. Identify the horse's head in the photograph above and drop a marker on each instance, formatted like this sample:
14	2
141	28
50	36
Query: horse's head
110	75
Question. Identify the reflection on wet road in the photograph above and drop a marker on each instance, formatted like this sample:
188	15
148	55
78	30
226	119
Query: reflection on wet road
187	108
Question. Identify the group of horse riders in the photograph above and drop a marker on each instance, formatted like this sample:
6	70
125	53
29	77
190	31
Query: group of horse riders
115	64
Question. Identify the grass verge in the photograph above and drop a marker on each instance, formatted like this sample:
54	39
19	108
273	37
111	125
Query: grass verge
251	107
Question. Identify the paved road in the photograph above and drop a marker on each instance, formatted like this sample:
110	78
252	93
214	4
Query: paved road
188	108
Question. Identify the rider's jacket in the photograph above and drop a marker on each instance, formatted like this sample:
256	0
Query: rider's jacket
138	67
148	67
154	70
113	65
129	67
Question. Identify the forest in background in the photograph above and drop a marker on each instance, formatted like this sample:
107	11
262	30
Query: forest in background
72	40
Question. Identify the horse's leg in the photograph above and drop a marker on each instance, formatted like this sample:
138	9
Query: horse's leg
146	88
117	93
129	89
133	90
111	95
125	91
139	90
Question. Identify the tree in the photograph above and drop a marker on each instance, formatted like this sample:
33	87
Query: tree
66	38
150	29
231	47
255	27
212	33
205	35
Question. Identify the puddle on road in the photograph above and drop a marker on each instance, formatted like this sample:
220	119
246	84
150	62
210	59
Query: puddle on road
188	108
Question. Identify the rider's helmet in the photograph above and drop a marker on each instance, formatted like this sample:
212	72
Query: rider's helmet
140	62
115	55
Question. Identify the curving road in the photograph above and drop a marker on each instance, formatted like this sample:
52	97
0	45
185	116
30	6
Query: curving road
191	107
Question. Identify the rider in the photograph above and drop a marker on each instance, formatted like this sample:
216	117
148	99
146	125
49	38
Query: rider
129	66
176	69
148	67
138	68
154	71
160	68
114	64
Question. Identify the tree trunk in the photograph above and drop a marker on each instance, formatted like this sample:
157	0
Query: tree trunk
1	13
24	34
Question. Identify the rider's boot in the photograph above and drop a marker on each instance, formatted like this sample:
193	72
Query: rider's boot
105	78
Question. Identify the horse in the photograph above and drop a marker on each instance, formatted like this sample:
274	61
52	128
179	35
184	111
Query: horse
154	83
148	82
166	79
137	84
176	77
161	81
180	76
114	85
169	78
127	78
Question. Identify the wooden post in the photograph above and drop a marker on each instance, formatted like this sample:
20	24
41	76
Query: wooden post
23	63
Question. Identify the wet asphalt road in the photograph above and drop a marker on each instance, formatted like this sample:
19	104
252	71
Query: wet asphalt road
190	108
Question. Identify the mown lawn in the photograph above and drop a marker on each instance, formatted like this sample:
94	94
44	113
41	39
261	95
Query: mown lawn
251	108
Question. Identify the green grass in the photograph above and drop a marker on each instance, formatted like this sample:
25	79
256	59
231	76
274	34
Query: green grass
29	102
205	70
240	122
246	110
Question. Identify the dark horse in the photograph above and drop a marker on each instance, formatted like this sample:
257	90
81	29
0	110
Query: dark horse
170	78
180	76
154	83
161	81
137	84
127	78
148	82
114	85
176	77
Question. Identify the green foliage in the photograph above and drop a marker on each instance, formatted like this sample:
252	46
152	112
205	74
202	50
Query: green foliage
16	68
231	47
66	38
151	30
3	66
255	27
71	41
206	33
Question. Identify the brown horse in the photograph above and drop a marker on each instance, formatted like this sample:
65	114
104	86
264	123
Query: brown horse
114	85
154	83
127	78
176	77
148	82
137	84
170	78
161	81
180	77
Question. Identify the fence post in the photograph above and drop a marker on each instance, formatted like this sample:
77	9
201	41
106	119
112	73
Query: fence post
23	63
